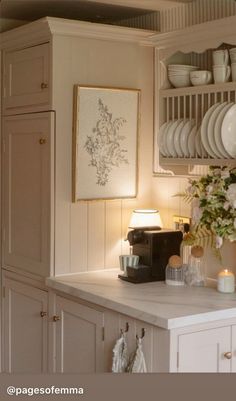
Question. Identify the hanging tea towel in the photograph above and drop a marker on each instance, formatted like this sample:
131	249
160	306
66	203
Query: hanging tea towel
120	355
137	362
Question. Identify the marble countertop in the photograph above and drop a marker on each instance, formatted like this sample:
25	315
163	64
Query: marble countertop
155	303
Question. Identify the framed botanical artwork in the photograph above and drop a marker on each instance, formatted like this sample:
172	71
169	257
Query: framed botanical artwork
105	142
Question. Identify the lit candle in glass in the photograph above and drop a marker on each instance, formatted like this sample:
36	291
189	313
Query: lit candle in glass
226	281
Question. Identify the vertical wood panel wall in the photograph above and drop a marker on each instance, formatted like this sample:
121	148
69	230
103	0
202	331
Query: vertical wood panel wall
183	15
90	235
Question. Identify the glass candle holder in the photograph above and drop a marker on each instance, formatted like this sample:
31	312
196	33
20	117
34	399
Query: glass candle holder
226	281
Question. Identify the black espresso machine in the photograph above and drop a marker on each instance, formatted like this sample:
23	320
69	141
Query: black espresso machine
154	249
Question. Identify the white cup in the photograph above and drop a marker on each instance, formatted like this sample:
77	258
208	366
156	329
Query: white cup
233	69
221	73
220	57
200	77
232	53
128	260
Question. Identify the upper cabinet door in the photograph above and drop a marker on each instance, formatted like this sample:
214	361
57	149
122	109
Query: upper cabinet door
26	79
28	192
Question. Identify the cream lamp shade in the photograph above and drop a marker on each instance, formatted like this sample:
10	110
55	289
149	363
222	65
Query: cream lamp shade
145	219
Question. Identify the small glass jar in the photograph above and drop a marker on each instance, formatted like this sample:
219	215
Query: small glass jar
195	273
175	271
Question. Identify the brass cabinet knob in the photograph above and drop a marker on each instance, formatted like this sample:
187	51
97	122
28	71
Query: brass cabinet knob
42	141
228	355
56	318
42	313
44	85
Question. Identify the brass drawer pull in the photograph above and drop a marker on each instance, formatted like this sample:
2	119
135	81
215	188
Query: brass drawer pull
56	318
42	313
228	355
42	141
44	85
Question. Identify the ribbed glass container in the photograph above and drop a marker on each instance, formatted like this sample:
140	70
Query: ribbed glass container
174	276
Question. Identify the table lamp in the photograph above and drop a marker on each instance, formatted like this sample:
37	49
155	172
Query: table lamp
143	220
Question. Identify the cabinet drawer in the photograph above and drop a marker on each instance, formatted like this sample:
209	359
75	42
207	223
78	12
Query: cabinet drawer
26	78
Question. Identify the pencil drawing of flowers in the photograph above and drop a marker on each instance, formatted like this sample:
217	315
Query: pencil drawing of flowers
104	144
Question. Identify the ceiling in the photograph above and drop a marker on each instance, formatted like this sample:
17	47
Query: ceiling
16	12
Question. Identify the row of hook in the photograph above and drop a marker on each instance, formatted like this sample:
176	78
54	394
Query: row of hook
127	329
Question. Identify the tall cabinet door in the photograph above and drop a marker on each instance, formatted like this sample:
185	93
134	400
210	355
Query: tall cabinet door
204	351
28	192
25	328
79	338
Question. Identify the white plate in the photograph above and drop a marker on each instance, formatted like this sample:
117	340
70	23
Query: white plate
198	145
171	151
211	130
184	137
176	138
217	131
191	141
228	131
162	138
204	130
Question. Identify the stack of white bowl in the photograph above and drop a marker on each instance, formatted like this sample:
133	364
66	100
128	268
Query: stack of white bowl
232	53
179	75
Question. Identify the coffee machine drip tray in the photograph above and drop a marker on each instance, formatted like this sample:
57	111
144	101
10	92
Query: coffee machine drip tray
140	274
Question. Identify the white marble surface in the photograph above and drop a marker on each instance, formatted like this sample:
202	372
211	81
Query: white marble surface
155	303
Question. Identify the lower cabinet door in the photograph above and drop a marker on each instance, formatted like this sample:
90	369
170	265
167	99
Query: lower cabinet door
205	351
79	338
25	328
233	349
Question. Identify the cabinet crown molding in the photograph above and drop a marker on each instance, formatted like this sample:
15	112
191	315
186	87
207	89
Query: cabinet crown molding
41	31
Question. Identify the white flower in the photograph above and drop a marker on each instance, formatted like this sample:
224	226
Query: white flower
209	188
219	242
231	195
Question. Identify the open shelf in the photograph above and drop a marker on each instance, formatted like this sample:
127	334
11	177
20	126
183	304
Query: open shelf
197	90
196	161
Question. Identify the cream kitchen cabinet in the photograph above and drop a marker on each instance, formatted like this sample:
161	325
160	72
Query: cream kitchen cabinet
25	336
23	90
205	351
78	337
209	347
233	367
28	146
116	323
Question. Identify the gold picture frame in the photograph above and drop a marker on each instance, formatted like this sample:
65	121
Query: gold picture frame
105	142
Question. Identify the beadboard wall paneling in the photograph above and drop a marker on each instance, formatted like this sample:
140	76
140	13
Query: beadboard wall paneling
183	15
113	232
164	196
90	235
149	21
96	235
79	230
195	13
